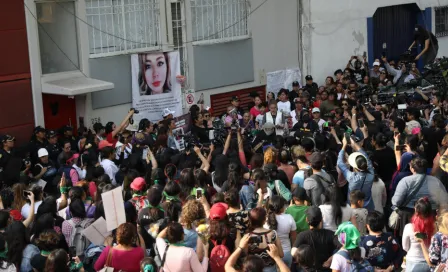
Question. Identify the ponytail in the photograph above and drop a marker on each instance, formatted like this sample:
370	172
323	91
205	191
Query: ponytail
275	206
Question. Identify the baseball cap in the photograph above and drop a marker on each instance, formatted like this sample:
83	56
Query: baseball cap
73	157
376	63
338	71
42	153
417	97
316	157
352	159
218	211
8	138
138	184
51	134
102	144
270	167
39	129
309	77
234	98
295	83
315	110
300	194
167	112
67	128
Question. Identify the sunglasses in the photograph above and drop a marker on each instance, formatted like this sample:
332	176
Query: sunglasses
344	104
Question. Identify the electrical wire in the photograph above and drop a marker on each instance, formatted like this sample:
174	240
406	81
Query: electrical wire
55	43
157	44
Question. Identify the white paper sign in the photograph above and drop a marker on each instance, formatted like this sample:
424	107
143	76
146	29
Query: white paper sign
282	79
114	208
42	183
97	232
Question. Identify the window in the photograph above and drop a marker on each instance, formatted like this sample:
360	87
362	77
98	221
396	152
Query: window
178	25
441	21
123	26
219	20
58	43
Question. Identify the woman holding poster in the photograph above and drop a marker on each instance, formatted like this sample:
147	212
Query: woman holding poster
154	76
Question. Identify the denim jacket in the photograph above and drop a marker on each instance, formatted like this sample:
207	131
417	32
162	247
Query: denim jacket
359	180
29	252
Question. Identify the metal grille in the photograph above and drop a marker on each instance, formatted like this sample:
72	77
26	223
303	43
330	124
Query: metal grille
123	26
219	20
441	21
179	35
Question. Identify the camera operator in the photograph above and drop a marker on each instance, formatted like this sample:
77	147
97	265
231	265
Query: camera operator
198	129
359	70
431	45
401	76
435	102
112	130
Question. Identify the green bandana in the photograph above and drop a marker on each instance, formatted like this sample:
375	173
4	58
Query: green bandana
170	198
351	233
174	244
157	207
148	268
45	253
156	181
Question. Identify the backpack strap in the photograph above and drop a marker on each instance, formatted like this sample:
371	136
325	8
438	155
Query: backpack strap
344	254
164	256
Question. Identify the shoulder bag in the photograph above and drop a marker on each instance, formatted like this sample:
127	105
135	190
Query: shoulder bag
394	217
107	267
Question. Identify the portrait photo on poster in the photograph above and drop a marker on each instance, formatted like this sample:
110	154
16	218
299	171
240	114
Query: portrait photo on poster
154	84
154	75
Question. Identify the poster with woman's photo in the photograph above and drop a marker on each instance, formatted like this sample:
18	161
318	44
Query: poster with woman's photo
154	84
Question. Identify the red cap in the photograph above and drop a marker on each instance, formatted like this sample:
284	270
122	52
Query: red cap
138	184
16	215
73	157
103	144
218	211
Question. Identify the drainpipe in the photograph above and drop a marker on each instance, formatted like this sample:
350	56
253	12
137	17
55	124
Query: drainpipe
299	36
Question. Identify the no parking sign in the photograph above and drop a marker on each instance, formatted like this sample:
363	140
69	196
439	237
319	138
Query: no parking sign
189	98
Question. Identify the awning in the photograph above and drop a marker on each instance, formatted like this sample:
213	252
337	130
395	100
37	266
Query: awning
75	86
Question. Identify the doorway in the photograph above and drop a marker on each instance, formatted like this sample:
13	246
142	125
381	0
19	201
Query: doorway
59	111
393	30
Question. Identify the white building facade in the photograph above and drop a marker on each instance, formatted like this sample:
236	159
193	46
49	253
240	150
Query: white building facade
82	48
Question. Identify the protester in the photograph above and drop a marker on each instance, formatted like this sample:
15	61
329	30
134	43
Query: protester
335	158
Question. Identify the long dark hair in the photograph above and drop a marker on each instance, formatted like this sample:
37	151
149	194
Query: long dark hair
253	263
275	206
144	88
57	261
187	182
17	240
221	171
234	177
334	198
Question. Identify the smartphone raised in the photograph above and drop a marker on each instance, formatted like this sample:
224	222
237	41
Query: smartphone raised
72	252
400	147
256	239
347	137
361	123
199	193
145	153
26	194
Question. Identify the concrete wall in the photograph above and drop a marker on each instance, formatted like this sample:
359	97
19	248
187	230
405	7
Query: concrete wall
274	33
336	30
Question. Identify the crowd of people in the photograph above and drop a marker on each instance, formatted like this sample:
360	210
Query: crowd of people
317	178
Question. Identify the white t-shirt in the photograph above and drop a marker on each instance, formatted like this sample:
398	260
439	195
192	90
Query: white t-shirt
327	216
110	169
379	195
284	106
340	263
285	224
410	244
26	209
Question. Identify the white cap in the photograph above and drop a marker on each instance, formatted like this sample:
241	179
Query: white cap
42	153
376	63
352	159
167	112
315	110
